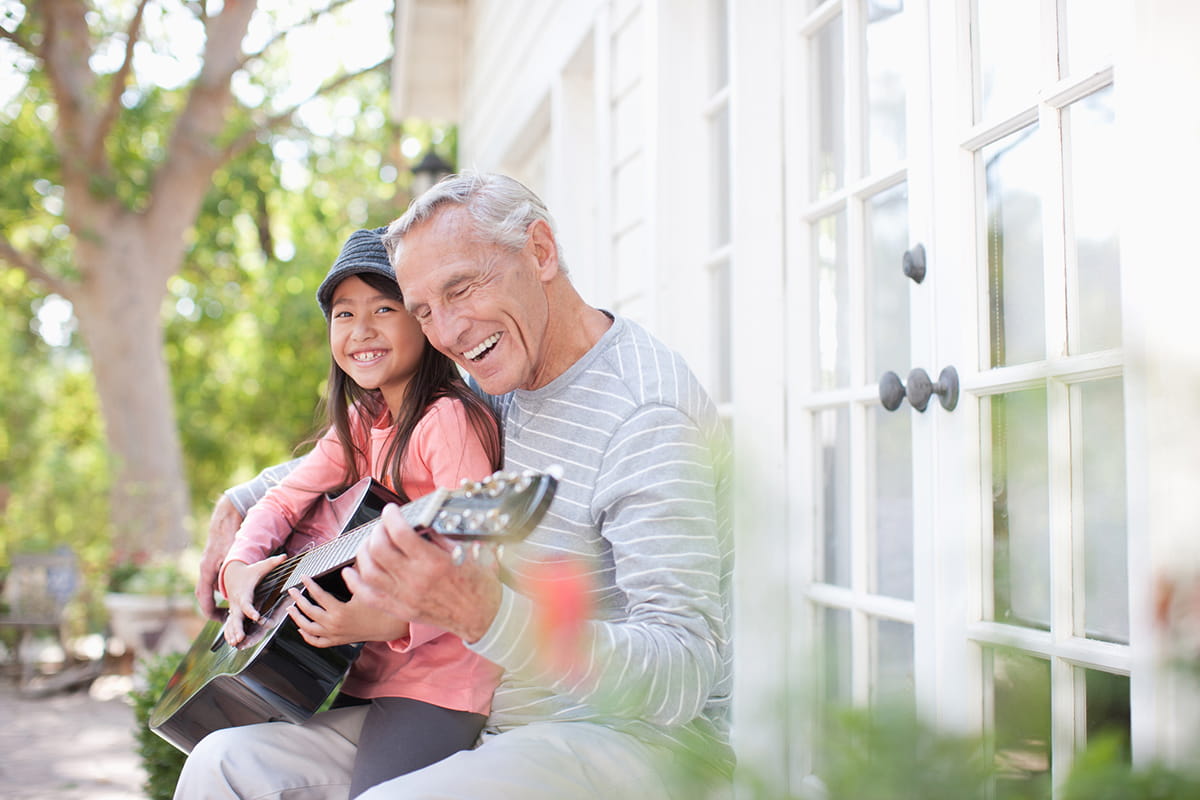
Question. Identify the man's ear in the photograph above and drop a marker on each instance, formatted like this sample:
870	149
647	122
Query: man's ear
544	248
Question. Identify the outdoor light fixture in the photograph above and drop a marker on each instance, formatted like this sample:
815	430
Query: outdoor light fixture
428	171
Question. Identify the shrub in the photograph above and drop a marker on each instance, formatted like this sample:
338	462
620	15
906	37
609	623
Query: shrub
161	759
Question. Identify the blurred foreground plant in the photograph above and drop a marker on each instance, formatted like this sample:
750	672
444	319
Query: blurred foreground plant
161	760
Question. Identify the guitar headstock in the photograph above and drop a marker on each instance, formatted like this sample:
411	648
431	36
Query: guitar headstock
503	508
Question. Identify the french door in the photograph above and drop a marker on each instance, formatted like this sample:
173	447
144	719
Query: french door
956	372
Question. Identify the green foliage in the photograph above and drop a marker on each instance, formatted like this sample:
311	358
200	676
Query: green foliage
1102	772
245	341
890	754
161	760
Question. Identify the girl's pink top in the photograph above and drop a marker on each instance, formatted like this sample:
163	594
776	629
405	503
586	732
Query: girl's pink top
429	664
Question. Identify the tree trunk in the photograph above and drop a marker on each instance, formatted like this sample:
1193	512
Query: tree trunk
120	318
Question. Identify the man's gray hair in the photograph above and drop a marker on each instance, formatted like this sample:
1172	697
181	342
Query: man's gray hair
501	210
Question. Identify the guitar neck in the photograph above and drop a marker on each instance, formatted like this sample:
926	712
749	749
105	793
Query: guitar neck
340	551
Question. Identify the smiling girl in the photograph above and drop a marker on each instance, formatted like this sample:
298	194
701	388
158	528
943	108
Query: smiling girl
399	411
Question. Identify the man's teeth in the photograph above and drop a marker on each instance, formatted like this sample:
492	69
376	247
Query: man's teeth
483	346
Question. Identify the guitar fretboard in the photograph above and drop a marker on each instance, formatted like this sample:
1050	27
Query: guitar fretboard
338	552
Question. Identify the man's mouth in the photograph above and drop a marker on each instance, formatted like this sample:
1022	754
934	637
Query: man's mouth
480	350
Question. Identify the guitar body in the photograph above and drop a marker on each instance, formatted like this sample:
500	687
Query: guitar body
274	675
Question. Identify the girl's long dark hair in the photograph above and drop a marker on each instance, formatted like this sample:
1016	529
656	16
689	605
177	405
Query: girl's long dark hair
436	377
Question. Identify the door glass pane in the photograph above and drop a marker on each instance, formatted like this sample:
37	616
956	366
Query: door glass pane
832	435
834	694
887	53
1090	142
1101	477
1008	56
893	527
1020	508
1021	704
887	287
1016	298
721	341
892	681
1108	709
1089	34
829	153
832	293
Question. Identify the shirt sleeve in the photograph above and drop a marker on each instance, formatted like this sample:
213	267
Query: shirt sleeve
269	522
443	450
656	500
245	495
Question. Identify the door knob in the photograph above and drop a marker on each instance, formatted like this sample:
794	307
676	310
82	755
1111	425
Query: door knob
920	388
914	263
891	391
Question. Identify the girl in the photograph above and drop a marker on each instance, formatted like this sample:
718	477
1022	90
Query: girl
398	410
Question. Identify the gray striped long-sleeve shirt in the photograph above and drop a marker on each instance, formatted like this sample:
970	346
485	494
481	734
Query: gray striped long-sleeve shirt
643	502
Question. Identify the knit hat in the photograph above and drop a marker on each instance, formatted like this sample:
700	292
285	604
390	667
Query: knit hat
362	252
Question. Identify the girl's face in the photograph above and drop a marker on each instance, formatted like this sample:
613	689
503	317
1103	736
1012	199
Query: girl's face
374	340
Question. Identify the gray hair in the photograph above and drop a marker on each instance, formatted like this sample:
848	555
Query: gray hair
501	210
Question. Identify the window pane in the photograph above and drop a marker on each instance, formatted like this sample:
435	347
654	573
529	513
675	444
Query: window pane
832	293
1021	704
834	635
1008	55
1090	140
892	681
1014	246
893	504
1101	476
887	52
1089	34
1108	709
829	131
1020	509
832	435
887	287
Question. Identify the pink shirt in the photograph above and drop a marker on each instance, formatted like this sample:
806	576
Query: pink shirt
429	664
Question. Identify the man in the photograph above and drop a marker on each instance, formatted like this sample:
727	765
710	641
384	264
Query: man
641	509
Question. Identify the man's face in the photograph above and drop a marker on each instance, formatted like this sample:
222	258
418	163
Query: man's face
482	305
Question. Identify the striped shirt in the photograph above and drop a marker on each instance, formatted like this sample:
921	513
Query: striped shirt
643	503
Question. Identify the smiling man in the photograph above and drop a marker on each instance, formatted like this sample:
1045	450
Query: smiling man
641	512
617	671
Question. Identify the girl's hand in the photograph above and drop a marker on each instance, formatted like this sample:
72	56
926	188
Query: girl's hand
325	621
240	580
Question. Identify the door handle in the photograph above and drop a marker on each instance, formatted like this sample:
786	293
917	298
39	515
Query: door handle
919	389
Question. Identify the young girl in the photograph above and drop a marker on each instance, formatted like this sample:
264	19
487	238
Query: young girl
398	410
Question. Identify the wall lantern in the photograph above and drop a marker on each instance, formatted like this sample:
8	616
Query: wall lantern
428	171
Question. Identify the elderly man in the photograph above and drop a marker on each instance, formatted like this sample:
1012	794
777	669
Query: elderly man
636	692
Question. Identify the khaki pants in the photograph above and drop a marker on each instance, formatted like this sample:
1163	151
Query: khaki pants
546	761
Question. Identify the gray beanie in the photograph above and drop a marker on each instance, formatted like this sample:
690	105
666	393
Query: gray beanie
362	252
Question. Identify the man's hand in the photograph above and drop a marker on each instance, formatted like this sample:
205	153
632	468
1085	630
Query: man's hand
414	578
325	621
222	527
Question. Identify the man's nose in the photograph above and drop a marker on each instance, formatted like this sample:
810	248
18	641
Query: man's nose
445	328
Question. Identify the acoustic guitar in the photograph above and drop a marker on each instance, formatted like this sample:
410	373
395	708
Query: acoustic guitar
273	674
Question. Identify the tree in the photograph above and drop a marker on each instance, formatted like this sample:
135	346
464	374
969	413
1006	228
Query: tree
122	199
